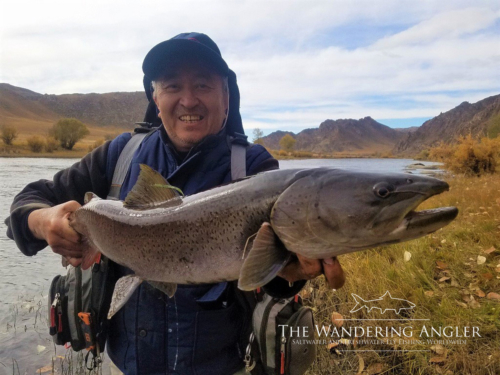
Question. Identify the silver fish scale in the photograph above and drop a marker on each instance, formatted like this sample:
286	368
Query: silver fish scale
200	241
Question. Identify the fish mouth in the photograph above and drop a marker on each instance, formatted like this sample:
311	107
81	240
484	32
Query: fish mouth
418	223
436	217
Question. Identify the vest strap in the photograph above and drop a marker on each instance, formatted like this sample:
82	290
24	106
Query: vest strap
238	156
123	163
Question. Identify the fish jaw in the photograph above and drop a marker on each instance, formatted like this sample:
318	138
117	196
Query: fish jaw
420	223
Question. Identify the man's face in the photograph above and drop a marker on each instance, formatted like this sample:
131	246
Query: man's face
192	101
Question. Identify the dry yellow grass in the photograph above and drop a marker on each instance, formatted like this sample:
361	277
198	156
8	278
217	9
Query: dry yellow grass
443	278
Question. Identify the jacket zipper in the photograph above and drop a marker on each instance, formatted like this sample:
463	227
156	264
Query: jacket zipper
53	311
282	352
78	304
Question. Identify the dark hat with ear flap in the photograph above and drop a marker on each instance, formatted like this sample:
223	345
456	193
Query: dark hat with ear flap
191	46
197	47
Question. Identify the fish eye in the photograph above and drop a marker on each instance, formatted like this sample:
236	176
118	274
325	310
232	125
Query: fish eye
383	190
409	180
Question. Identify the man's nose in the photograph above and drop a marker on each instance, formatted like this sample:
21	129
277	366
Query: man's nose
189	99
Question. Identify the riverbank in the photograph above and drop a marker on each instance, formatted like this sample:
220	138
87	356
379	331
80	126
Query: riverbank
22	151
452	277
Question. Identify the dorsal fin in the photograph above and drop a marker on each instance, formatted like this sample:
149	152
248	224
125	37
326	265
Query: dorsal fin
152	191
89	196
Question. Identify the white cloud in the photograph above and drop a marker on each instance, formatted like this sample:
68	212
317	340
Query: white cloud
289	65
446	25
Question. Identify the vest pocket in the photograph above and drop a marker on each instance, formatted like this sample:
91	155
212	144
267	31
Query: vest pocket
216	343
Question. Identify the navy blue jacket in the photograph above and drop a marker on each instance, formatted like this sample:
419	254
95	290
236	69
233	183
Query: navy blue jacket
199	330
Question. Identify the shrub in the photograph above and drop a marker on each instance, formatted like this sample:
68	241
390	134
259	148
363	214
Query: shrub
302	154
470	156
442	152
68	131
494	127
257	136
35	143
51	144
9	133
423	155
287	143
282	153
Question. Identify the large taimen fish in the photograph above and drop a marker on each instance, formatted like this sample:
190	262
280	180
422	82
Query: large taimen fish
237	231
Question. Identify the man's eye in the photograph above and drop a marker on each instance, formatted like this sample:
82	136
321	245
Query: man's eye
171	87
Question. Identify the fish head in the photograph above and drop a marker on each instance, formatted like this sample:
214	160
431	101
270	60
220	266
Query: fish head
345	211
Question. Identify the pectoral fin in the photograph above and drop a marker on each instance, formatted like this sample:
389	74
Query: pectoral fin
266	258
124	288
167	288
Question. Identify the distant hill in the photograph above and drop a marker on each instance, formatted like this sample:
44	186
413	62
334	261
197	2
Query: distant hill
407	130
346	135
474	119
122	109
111	113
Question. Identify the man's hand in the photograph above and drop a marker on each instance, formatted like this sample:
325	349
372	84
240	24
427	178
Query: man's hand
52	225
306	269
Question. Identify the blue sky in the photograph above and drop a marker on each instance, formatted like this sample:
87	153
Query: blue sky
298	62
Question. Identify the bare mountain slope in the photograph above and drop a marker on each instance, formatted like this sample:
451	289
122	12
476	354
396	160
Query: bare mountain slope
18	105
346	135
462	120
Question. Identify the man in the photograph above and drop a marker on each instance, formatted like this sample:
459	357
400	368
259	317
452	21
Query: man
196	97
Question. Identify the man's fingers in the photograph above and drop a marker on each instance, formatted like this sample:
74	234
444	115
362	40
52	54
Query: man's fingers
74	261
301	269
292	272
65	231
66	253
333	273
311	268
307	269
67	248
71	206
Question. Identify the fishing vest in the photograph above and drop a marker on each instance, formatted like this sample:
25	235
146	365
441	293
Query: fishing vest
198	331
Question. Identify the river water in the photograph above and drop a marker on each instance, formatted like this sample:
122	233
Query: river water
25	345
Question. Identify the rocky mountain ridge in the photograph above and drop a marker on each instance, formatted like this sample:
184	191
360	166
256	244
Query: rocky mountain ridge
344	135
110	109
475	119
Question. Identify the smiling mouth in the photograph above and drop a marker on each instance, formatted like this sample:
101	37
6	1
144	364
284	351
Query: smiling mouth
191	118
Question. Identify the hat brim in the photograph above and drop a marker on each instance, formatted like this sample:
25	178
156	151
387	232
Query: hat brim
177	51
